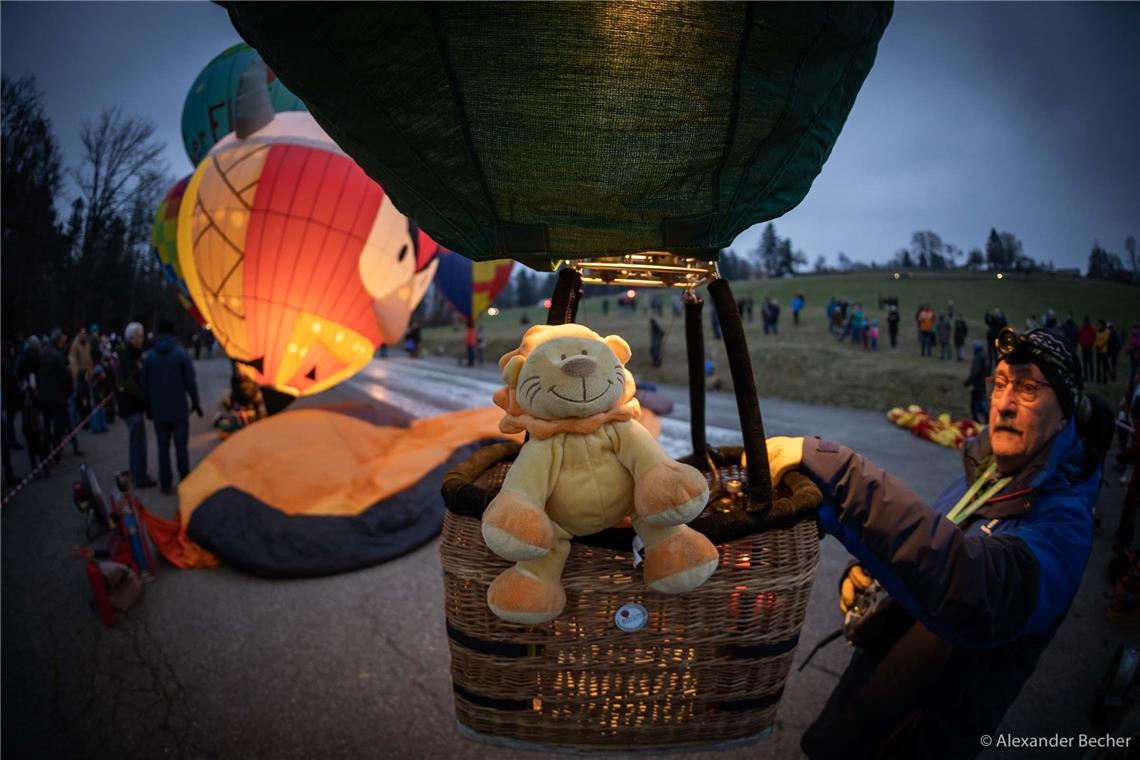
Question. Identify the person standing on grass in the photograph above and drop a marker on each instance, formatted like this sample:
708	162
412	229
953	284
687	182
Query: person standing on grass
926	330
1086	339
976	381
960	331
168	377
893	320
873	335
1114	345
656	342
1070	330
995	321
943	336
797	307
1102	336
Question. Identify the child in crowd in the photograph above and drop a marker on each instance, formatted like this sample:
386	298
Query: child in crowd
873	335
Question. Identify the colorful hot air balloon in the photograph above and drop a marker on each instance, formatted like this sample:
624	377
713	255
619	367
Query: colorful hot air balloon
287	246
164	238
208	114
470	286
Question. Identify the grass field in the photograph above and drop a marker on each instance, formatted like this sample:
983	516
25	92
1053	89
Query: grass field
809	364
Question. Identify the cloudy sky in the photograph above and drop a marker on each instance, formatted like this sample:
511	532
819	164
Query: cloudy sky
1019	116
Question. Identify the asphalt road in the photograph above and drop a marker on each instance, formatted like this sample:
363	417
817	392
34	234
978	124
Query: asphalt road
213	663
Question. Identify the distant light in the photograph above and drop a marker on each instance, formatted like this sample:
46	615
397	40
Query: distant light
492	312
631	294
546	303
897	275
1000	276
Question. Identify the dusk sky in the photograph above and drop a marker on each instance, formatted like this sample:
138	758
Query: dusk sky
1019	116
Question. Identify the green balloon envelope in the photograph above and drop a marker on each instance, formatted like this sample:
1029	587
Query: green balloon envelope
545	131
207	115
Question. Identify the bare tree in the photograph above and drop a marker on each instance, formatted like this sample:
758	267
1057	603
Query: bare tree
120	153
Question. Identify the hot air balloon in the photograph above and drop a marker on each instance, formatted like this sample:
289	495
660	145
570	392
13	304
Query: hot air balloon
657	126
164	238
208	114
471	286
291	253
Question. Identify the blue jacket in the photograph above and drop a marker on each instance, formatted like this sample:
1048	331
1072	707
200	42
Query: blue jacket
986	596
168	378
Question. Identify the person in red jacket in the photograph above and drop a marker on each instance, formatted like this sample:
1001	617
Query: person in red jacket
1086	339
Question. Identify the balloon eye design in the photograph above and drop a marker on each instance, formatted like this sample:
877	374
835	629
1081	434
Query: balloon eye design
563	356
403	253
583	352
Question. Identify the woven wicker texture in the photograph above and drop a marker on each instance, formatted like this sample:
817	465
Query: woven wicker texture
709	666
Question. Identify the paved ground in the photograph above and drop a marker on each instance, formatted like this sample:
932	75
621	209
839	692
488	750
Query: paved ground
213	663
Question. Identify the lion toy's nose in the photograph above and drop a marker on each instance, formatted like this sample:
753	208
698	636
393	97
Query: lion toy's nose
580	366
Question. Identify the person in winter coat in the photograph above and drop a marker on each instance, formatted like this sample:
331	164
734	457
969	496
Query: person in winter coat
53	388
1086	339
976	381
943	331
960	332
1103	334
995	322
168	377
980	581
130	397
893	319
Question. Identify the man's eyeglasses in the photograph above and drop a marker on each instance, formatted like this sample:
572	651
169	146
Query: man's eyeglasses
1026	390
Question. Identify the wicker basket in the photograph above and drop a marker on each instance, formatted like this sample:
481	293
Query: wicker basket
706	670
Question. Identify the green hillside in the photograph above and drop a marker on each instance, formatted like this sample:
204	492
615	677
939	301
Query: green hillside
809	364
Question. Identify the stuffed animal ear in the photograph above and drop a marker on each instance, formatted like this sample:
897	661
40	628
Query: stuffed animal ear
619	347
512	369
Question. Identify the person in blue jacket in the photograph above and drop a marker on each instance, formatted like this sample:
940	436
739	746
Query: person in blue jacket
168	377
978	583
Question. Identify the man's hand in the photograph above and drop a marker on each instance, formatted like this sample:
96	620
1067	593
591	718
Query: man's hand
197	410
784	454
856	580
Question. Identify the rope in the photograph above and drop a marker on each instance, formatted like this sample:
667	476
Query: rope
51	455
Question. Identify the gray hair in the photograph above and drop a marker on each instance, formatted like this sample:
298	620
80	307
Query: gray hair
32	343
133	329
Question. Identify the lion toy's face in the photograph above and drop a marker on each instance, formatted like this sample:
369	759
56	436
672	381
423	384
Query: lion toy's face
570	375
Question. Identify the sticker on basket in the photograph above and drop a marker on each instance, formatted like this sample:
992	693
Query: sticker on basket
631	617
638	547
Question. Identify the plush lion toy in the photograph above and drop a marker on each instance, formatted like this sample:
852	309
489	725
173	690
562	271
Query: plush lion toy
587	465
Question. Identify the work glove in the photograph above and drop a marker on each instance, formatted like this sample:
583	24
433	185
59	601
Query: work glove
197	410
856	579
794	496
784	454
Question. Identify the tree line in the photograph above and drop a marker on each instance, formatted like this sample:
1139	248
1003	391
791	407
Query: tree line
97	264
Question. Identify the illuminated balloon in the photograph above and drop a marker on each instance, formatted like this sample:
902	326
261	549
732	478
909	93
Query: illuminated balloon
164	238
470	286
208	114
286	245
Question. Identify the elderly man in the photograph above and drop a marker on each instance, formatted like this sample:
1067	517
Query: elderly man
978	583
131	399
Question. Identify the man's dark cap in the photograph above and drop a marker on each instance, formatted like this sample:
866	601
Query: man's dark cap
1050	351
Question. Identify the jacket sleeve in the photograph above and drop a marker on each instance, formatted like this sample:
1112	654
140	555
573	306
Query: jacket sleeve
976	591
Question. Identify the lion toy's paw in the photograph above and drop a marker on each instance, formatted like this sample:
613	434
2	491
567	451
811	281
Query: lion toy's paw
516	528
681	562
519	597
670	493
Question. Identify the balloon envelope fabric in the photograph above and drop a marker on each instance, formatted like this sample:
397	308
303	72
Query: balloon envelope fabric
544	131
286	245
208	113
471	286
314	492
164	238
